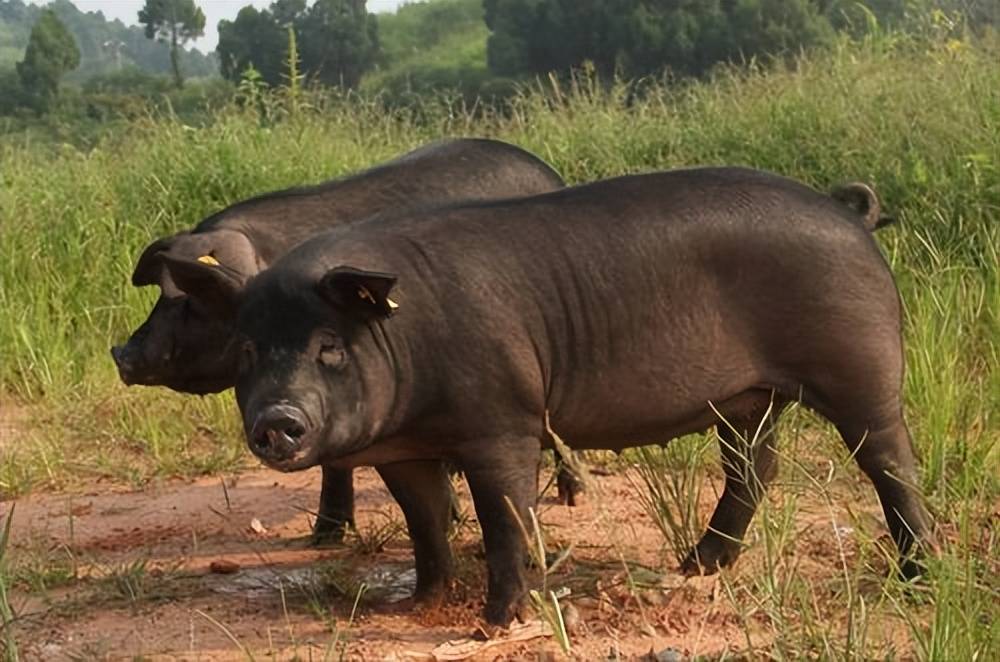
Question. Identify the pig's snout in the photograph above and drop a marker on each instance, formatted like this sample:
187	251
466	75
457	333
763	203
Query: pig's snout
125	361
277	433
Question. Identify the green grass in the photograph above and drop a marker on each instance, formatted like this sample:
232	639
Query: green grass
921	123
918	120
8	644
431	48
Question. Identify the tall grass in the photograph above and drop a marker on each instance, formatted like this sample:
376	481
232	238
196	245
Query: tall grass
8	645
920	120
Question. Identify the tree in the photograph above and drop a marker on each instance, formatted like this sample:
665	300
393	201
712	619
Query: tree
641	37
174	21
510	25
51	52
254	39
778	26
259	38
338	41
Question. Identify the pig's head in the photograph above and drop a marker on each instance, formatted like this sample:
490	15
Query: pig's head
316	378
186	343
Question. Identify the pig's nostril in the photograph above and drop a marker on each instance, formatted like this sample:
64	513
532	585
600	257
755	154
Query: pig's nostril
284	431
265	440
278	432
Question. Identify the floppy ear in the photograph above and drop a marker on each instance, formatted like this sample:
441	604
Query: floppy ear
219	247
359	291
206	280
149	269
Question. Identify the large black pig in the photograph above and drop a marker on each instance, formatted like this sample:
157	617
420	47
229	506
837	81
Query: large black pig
628	311
186	343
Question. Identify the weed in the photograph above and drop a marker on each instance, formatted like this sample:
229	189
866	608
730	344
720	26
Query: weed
672	484
374	537
546	600
41	569
9	650
229	635
327	581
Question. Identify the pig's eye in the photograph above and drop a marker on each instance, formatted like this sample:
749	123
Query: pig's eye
331	351
248	356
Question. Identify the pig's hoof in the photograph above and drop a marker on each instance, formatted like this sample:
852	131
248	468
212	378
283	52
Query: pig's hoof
329	533
568	488
709	555
912	569
431	597
500	616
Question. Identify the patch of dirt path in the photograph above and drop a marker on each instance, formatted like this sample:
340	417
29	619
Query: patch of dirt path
119	575
12	418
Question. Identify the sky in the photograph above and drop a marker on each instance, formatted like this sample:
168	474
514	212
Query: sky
215	10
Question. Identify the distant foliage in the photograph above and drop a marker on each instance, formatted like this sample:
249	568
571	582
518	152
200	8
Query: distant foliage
641	37
254	39
105	46
337	41
432	48
977	16
51	52
175	22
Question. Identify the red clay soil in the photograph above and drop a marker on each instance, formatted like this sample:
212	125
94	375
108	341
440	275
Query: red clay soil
130	575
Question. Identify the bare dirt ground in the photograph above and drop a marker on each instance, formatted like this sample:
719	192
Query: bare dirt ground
195	571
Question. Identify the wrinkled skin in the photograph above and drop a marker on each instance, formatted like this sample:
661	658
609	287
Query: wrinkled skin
629	311
186	344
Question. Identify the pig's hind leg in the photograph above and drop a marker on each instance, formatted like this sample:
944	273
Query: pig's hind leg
747	442
862	397
882	447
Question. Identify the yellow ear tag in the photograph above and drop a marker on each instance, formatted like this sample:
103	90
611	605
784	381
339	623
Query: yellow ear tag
208	259
364	294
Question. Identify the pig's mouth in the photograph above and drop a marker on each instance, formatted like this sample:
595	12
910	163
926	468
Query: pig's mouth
126	366
303	459
137	373
132	369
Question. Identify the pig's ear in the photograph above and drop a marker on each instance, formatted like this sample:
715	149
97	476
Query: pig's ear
149	269
206	280
358	290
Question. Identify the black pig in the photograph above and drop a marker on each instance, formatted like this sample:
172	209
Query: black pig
186	343
628	311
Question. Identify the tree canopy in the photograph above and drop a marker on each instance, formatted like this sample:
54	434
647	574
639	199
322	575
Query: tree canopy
51	52
337	40
254	39
641	37
106	46
174	22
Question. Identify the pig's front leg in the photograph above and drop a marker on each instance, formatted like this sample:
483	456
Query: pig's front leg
336	507
423	491
499	469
